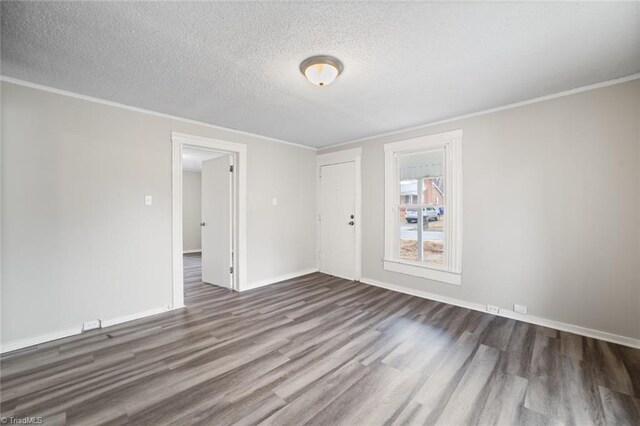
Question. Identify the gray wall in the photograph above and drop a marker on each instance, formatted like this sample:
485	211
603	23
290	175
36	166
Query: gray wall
191	210
78	243
551	196
551	209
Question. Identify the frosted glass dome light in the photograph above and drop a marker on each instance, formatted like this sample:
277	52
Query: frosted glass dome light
321	70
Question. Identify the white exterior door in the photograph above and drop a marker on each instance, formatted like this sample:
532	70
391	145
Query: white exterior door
337	220
216	226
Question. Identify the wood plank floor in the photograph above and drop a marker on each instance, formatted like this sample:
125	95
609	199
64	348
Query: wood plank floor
322	350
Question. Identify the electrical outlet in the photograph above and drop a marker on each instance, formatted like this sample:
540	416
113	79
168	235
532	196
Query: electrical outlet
493	309
521	309
91	325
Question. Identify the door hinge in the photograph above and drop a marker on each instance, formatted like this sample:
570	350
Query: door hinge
231	270
231	168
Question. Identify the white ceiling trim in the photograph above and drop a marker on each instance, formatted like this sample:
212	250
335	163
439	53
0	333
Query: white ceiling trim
144	111
492	110
561	94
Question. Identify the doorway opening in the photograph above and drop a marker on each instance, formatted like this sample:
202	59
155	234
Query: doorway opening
207	217
209	199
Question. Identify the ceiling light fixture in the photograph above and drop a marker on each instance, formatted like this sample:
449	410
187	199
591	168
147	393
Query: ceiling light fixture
321	70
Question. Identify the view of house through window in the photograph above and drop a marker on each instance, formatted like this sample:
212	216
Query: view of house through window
422	207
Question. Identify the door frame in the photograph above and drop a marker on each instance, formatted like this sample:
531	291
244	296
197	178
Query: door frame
353	155
239	205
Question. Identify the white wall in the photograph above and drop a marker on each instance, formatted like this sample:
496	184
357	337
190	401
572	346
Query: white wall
191	210
78	242
551	209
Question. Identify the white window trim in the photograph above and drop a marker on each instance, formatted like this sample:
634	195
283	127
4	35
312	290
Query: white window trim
451	143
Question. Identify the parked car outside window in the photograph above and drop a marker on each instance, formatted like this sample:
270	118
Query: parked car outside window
428	214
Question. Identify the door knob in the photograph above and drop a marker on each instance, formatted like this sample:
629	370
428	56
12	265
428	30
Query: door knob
351	217
351	223
202	223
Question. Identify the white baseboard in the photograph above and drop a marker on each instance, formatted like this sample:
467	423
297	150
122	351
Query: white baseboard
31	341
135	316
596	334
274	280
192	251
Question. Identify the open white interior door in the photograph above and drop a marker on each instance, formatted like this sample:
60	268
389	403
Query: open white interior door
216	226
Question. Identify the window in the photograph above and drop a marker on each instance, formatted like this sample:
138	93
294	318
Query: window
422	207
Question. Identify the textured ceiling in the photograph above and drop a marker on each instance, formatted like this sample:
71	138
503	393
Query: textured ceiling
236	64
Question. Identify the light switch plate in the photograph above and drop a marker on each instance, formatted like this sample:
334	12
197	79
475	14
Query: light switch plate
148	200
275	201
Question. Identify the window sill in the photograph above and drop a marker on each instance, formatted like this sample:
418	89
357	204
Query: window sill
409	268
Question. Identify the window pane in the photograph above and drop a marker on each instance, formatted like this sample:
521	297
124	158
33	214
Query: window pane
433	236
409	191
433	191
408	241
421	165
422	185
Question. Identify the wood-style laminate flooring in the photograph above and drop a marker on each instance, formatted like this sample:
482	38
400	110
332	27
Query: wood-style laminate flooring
326	351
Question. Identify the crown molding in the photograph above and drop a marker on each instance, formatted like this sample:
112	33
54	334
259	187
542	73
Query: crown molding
336	145
490	110
44	88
